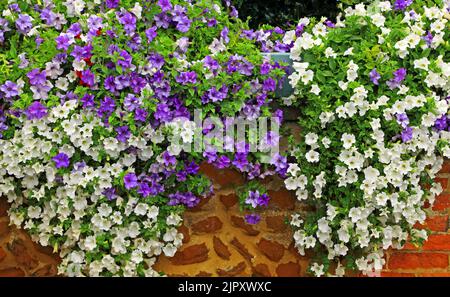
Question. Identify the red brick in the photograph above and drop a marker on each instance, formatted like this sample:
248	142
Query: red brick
232	271
185	231
436	223
190	255
240	223
199	206
415	261
2	254
4	206
283	199
240	247
224	177
22	255
261	270
442	202
445	167
276	223
4	229
11	272
396	274
290	269
228	200
46	271
220	248
435	274
208	225
437	242
271	249
443	181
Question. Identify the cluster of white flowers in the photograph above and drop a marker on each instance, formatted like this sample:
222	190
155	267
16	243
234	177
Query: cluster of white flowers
368	188
69	211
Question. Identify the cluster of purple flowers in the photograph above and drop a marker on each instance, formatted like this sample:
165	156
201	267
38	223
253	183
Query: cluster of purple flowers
188	77
374	76
173	15
402	4
270	40
187	199
407	132
121	92
215	95
4	27
61	160
399	76
256	199
443	123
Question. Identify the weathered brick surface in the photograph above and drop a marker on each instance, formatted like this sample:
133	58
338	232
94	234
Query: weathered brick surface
217	241
19	256
432	259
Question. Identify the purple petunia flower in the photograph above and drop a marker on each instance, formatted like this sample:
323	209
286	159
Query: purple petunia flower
263	200
165	5
36	111
192	168
128	20
210	63
156	60
187	77
145	190
188	199
252	219
162	112
88	77
63	42
374	76
224	35
407	134
131	103
223	162
402	119
107	107
428	38
74	29
212	22
280	163
112	3
402	4
240	161
23	23
125	59
48	16
10	89
441	123
252	198
168	159
110	193
130	181
37	77
151	33
214	95
140	115
269	85
184	24
123	133
61	160
88	101
399	76
329	24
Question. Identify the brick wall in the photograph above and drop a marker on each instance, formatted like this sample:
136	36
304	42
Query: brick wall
433	258
219	243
